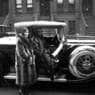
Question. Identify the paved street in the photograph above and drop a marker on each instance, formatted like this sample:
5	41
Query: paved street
52	89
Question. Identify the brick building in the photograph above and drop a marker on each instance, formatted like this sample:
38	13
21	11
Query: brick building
77	13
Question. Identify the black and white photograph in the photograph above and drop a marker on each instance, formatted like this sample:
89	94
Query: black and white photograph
47	47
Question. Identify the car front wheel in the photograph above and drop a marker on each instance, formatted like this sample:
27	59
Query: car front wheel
82	64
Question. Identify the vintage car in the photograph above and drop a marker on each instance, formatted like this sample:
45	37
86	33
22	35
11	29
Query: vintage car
45	52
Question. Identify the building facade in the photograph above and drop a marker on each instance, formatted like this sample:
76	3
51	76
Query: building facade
78	14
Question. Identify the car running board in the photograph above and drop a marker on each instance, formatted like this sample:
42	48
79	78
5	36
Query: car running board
12	76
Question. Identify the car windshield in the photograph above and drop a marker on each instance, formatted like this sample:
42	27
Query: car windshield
46	28
46	31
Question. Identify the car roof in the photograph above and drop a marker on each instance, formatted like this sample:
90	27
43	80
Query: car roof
38	23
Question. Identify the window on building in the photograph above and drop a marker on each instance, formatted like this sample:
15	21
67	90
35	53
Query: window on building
60	6
71	1
72	27
44	7
71	6
29	5
59	1
19	6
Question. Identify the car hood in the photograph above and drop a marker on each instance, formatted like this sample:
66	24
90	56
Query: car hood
80	42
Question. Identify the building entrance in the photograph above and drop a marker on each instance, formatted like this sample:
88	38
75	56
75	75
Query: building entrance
44	7
87	7
4	7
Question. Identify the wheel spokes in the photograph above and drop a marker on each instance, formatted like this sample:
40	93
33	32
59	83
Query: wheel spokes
86	64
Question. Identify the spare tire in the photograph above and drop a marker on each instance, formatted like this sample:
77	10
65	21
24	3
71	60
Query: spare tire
82	62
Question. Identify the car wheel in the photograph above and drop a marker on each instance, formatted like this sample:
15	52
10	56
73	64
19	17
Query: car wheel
82	64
